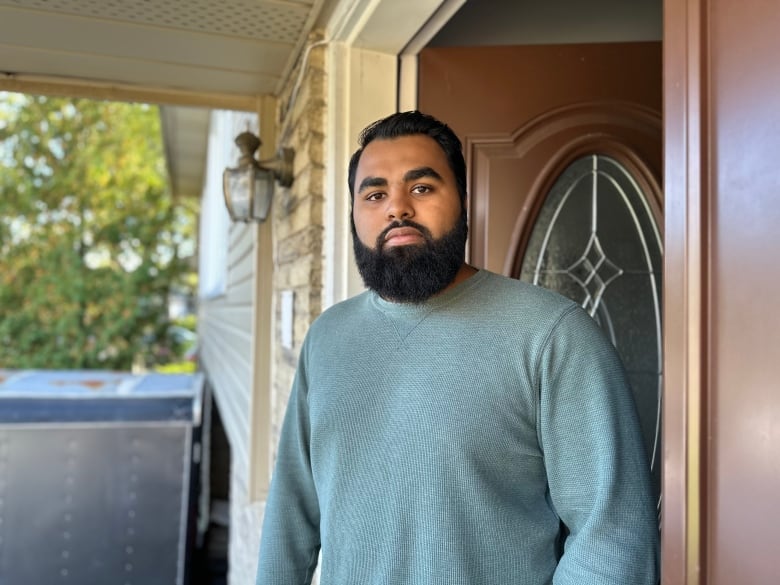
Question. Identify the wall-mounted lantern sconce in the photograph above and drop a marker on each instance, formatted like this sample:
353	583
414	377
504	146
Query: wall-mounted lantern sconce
249	187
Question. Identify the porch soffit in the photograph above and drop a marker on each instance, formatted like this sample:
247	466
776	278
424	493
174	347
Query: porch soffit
385	26
188	52
234	47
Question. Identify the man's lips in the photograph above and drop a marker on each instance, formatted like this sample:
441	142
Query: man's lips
402	236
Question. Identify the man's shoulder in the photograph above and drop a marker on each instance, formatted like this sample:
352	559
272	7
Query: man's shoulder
516	295
336	316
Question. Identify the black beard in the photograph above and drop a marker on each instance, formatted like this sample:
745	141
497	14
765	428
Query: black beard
412	273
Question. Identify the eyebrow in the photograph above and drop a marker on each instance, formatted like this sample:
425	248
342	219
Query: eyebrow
411	175
421	172
372	182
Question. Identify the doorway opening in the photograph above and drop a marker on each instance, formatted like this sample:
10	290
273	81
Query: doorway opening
531	89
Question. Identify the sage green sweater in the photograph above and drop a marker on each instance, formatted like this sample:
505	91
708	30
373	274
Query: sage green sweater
447	442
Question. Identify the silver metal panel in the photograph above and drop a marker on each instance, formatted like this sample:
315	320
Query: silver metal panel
93	506
95	477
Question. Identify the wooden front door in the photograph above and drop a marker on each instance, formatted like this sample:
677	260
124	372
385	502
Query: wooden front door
563	146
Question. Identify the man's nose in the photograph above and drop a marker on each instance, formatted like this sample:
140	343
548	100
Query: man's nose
399	206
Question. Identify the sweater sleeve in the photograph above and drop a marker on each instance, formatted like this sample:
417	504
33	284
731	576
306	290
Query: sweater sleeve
290	540
598	473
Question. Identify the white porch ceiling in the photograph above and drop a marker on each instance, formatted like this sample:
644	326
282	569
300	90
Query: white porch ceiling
238	47
185	138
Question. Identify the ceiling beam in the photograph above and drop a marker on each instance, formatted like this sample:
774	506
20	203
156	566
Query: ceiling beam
73	87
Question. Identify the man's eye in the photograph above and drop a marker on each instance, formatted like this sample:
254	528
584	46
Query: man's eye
421	189
374	196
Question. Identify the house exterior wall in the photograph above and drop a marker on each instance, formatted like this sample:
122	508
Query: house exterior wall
298	222
246	517
226	315
225	309
297	215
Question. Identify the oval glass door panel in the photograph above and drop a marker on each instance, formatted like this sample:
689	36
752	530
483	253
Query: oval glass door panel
596	241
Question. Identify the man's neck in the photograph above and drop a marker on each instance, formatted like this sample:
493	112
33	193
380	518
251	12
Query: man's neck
465	272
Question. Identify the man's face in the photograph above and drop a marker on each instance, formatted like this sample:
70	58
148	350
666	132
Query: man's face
409	226
406	178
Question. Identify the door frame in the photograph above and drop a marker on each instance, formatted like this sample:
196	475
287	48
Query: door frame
684	234
685	46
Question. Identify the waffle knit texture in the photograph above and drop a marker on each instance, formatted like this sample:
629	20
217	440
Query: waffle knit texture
448	442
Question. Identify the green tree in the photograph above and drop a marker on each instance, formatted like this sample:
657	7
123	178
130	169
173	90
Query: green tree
92	243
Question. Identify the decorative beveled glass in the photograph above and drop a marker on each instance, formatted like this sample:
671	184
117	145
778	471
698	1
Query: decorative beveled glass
597	242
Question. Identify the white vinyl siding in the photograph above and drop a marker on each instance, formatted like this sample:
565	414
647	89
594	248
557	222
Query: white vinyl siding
225	320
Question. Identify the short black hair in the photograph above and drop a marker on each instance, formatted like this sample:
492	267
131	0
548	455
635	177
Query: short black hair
409	124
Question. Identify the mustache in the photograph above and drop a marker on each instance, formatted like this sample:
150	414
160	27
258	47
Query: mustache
380	240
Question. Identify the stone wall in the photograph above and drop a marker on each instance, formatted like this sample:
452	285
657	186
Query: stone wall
298	267
298	221
245	522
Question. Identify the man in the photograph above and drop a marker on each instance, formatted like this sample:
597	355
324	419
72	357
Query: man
451	425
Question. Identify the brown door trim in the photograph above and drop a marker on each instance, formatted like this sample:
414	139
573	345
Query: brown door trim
575	131
685	292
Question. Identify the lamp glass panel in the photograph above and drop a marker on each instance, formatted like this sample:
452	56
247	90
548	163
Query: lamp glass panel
239	184
264	188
